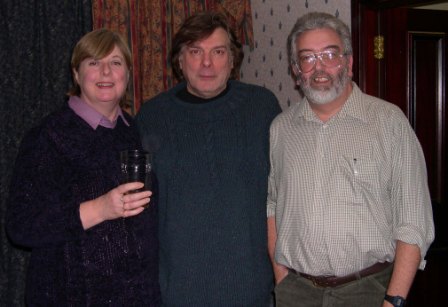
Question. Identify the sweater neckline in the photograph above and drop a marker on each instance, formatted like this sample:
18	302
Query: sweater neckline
214	110
184	95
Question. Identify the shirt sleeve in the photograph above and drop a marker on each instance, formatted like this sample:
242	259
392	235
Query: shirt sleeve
411	202
272	184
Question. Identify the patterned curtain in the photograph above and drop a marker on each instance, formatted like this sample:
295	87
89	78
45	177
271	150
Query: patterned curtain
149	26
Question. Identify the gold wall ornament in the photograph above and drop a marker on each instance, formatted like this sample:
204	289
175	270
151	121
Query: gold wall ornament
378	47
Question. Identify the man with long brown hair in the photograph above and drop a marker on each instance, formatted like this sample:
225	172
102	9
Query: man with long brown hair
209	136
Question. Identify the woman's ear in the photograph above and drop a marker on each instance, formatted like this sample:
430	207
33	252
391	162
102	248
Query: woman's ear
75	76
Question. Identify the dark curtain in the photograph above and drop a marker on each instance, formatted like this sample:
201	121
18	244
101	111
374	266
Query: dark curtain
36	40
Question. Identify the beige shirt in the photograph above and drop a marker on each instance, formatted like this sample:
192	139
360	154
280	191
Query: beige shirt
342	192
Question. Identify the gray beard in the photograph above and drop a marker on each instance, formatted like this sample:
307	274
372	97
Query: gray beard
326	95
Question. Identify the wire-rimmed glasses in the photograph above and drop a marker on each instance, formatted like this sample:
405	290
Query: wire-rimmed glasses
328	58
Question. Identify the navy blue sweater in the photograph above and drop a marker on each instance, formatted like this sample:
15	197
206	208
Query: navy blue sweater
62	163
212	163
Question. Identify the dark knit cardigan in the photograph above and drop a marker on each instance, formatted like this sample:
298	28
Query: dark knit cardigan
212	163
61	164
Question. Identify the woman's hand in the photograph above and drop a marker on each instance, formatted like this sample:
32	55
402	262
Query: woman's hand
123	202
120	202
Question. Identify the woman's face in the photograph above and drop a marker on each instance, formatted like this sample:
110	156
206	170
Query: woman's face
103	82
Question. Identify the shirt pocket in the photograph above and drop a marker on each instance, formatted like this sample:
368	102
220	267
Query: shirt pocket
359	180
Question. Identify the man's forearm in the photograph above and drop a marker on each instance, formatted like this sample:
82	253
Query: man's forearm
407	260
280	271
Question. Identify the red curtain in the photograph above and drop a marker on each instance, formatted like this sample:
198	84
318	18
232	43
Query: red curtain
149	26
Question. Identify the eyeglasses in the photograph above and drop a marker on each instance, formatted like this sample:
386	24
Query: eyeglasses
328	58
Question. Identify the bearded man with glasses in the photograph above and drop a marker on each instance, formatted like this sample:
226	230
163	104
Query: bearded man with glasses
349	210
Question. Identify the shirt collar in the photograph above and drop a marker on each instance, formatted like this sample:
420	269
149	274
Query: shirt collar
352	107
92	116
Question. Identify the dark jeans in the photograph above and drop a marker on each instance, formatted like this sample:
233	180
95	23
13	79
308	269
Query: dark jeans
369	291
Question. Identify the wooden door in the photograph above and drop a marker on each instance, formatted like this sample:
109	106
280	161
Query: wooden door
412	74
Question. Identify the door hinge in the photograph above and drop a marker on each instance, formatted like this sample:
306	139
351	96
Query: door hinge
378	47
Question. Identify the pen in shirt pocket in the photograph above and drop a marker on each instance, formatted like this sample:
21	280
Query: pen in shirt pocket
355	166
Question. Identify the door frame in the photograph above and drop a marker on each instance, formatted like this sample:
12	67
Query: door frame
365	25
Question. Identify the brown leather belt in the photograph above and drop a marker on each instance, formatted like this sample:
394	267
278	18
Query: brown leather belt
333	281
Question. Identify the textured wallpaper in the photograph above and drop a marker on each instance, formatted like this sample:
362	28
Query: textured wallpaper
267	64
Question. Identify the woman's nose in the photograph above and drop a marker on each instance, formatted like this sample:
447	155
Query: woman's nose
105	69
